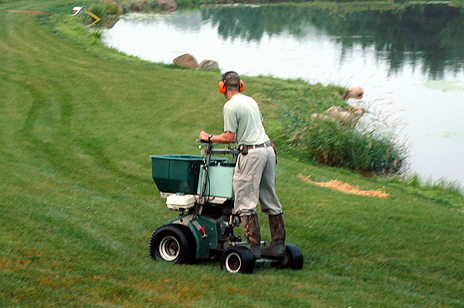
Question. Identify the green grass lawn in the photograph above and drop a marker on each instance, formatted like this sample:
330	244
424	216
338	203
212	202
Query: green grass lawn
78	205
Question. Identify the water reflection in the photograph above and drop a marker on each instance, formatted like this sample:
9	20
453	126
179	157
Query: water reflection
427	36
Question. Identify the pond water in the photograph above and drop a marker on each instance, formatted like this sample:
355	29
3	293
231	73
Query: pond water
409	60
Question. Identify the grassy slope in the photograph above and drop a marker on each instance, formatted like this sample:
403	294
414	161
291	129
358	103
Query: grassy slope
78	206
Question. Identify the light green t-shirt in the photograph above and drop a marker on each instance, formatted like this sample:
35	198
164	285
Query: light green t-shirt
242	117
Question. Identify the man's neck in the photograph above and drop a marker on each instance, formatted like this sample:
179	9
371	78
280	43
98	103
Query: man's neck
230	94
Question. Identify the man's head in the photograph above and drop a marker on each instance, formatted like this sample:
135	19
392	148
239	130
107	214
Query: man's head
231	81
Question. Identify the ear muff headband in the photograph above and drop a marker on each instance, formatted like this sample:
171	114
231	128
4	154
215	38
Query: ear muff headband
222	86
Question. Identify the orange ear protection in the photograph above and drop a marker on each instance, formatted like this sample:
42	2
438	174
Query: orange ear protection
222	86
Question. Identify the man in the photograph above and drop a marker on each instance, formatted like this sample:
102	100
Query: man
254	178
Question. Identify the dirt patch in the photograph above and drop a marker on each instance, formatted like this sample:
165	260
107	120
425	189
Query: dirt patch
345	187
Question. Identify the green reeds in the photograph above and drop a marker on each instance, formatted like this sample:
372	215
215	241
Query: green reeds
366	147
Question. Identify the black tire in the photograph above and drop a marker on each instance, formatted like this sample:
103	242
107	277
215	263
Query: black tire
293	258
238	259
173	243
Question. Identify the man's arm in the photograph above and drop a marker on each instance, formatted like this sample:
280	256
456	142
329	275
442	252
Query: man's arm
227	137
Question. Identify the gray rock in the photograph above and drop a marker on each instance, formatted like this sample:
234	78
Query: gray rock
208	65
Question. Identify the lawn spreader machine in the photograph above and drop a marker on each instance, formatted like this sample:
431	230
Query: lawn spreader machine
200	188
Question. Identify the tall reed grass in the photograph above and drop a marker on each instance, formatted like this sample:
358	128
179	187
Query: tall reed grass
368	146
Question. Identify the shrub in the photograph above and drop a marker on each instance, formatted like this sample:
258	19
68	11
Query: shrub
111	8
98	9
188	3
138	5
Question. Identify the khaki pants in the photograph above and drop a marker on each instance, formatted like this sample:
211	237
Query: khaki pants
255	180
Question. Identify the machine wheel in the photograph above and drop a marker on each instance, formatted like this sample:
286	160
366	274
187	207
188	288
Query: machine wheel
238	259
173	243
293	258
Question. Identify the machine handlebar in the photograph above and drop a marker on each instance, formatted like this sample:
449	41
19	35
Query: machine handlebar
227	151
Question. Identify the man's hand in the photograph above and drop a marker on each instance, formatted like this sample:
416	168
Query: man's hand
204	136
226	137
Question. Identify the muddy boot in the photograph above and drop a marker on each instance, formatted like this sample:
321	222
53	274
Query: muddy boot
250	226
276	248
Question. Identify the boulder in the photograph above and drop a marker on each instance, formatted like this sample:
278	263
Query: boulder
353	92
185	60
350	116
208	65
167	5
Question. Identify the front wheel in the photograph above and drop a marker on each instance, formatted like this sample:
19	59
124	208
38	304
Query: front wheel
238	259
173	243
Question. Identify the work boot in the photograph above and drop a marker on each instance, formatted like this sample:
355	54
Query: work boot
276	248
252	232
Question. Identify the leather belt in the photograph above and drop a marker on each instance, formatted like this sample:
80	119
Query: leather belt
243	148
263	145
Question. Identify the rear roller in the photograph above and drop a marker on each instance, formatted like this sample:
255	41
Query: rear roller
293	258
